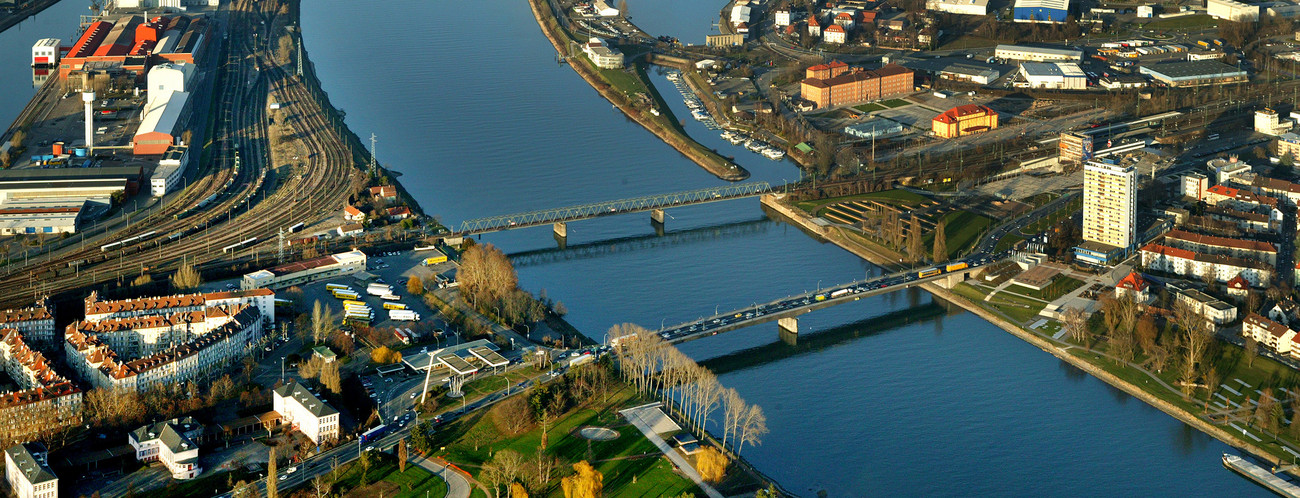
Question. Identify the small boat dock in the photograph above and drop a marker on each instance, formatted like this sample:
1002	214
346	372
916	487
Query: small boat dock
1261	476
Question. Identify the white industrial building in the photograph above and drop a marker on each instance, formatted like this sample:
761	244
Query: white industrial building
1036	54
45	52
740	13
1268	123
1232	10
969	73
165	78
1054	75
171	168
306	413
172	443
344	263
1146	11
965	7
41	216
602	55
603	9
28	471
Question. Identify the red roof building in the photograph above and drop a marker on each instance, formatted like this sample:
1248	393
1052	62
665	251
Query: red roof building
858	86
964	120
353	214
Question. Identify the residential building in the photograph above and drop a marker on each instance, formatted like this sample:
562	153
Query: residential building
844	20
1133	285
963	7
171	442
1194	185
1285	312
98	310
28	471
398	213
1075	147
814	27
306	413
1238	288
1194	73
1048	11
835	34
1210	244
1242	200
43	401
36	323
1289	143
782	18
602	55
1247	221
1037	54
1054	75
1267	122
858	86
964	120
385	192
351	230
351	213
1162	258
1217	313
1268	333
1109	209
1232	10
288	275
1277	188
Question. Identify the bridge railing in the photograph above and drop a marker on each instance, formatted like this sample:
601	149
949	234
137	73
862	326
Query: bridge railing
592	210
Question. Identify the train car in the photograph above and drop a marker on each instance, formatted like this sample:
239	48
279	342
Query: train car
296	227
107	247
928	272
283	303
237	245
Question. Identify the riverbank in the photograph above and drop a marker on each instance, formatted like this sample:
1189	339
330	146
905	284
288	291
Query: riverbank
712	162
21	14
835	236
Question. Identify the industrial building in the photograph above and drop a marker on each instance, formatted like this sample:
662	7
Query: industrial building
345	263
95	184
45	52
964	120
969	73
964	7
167	108
1194	73
858	86
1036	54
42	216
130	45
1121	81
171	168
875	128
602	55
1054	75
1232	10
1049	11
1109	211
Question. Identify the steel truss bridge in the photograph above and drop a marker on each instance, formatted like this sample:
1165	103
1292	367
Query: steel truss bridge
611	208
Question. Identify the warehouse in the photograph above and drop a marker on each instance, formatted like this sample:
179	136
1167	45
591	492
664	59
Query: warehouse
1054	75
345	263
964	7
1232	10
876	128
1036	54
31	216
1049	11
1194	73
970	73
161	123
94	183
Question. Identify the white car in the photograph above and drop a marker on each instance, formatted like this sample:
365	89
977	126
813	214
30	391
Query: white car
291	470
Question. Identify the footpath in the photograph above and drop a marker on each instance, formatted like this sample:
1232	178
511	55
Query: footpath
639	417
457	485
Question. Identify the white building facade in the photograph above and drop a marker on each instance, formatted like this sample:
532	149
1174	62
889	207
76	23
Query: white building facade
307	413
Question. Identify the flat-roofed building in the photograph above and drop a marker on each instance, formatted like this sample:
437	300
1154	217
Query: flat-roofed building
1109	208
602	55
1075	147
1267	122
1232	10
171	168
344	263
1037	54
306	413
1194	73
1054	75
969	73
42	216
96	184
963	7
1215	311
172	442
27	468
1047	11
1289	143
1121	81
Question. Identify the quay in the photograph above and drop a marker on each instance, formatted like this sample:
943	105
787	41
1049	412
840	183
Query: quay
1261	476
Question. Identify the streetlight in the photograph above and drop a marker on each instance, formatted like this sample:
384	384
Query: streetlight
282	368
819	286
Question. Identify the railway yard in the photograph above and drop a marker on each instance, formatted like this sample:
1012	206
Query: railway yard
237	199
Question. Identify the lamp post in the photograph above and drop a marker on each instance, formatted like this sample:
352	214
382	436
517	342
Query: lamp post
282	368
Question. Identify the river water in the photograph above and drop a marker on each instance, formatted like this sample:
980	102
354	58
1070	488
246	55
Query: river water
891	395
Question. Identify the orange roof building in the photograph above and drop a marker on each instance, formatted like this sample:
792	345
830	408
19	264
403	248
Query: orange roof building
850	86
964	120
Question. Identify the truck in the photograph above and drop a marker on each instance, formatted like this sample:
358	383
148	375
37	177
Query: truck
378	289
403	315
394	306
433	260
334	287
956	266
389	297
840	292
374	434
346	294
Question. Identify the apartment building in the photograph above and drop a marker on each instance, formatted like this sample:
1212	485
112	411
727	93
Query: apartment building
1209	244
1215	311
99	310
36	323
306	413
857	86
44	401
1270	334
28	471
171	442
1187	263
1109	211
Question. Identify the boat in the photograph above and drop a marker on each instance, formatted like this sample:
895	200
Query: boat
699	116
1261	476
754	145
736	139
726	135
774	154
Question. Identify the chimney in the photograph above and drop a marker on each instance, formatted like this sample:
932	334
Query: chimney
89	99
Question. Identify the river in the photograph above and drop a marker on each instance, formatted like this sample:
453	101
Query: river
57	21
891	395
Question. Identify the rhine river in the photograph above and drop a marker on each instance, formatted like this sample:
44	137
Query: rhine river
893	395
468	103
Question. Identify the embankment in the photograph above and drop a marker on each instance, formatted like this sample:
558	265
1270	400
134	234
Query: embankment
804	221
707	159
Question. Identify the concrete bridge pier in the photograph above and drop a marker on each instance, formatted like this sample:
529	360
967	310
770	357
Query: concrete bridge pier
788	330
561	230
657	216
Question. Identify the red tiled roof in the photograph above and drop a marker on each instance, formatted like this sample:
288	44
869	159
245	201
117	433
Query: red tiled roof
834	28
1238	282
1274	329
955	114
844	15
1212	240
812	21
351	211
1133	281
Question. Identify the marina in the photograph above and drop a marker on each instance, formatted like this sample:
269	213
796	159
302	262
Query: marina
1261	476
701	114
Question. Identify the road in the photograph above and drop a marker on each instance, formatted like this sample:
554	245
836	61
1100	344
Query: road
990	240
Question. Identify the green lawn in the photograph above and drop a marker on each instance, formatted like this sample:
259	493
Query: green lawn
201	487
962	231
1007	242
622	80
869	107
1054	218
631	464
384	478
1059	287
906	196
893	103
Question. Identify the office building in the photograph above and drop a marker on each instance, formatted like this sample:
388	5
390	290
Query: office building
1109	211
306	413
1037	54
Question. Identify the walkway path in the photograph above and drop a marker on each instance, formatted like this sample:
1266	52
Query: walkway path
639	418
457	485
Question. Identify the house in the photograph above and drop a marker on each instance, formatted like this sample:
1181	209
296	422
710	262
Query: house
324	353
1238	288
814	28
28	471
170	442
385	192
844	19
1284	312
1216	312
835	34
307	413
351	230
351	213
1265	332
399	213
1135	286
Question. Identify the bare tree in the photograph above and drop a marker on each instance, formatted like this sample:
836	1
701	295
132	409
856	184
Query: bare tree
322	322
322	486
753	427
1076	324
733	411
940	252
1252	351
1196	339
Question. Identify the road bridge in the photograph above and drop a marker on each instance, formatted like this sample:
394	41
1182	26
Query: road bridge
558	217
786	309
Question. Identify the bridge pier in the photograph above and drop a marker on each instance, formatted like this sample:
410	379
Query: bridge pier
561	230
788	330
657	216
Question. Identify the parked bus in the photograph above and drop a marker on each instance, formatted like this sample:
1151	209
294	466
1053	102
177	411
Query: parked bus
354	303
346	294
334	287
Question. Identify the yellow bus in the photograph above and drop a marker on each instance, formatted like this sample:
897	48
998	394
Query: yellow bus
334	287
394	306
346	294
928	273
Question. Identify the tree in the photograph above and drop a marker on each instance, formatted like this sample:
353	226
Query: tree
541	468
414	286
711	464
506	465
365	467
512	415
401	456
622	8
186	277
915	240
586	482
1147	333
517	490
322	322
271	483
384	356
329	377
1076	324
486	275
1196	338
753	427
322	486
940	242
1252	351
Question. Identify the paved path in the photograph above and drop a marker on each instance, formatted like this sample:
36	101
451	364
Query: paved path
642	421
457	485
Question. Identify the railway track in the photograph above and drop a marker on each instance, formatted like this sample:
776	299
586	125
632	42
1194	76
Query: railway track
260	203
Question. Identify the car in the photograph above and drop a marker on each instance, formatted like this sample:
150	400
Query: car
413	395
370	448
389	380
291	470
284	476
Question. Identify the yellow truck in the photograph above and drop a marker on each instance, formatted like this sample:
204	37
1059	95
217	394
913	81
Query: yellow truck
433	260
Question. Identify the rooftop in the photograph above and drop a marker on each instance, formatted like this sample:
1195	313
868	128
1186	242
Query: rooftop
306	399
31	460
1192	69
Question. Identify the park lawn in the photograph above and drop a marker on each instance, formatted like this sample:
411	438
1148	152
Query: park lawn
870	107
969	292
1183	22
618	460
480	387
1059	287
962	231
385	478
904	196
201	487
624	81
1007	242
895	103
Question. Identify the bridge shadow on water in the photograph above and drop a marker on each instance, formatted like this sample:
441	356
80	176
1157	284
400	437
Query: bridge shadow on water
812	342
620	245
